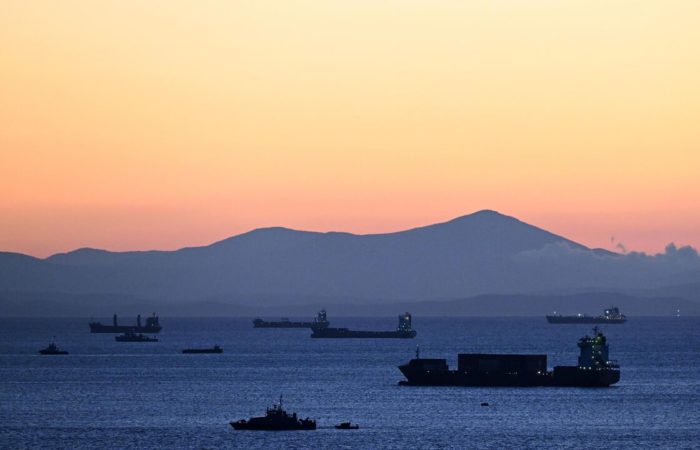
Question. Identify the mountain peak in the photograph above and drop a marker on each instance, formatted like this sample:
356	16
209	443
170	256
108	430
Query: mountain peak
486	214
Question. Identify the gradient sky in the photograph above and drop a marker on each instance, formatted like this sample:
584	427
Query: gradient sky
140	125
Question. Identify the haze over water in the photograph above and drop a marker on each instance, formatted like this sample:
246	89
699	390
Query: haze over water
148	395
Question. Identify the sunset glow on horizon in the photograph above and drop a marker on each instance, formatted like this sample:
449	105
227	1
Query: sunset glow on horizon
160	125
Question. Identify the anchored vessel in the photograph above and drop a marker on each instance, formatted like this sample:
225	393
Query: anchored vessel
319	322
594	369
214	349
347	426
130	336
403	331
152	326
610	315
52	349
275	419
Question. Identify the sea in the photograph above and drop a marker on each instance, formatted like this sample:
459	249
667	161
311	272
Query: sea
107	394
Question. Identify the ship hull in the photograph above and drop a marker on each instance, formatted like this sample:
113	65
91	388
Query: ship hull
130	339
271	428
274	426
48	352
283	324
562	376
202	350
99	328
344	333
583	319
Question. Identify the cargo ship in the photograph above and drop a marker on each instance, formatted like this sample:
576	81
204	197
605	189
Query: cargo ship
403	331
319	322
152	326
130	336
594	369
610	315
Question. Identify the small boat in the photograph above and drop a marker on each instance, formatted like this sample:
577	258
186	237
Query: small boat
52	349
484	403
130	336
214	349
275	419
347	426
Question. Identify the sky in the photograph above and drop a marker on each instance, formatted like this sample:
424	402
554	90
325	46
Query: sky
164	124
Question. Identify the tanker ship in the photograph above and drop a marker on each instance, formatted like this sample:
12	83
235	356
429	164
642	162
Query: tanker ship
152	326
319	322
403	331
594	369
610	315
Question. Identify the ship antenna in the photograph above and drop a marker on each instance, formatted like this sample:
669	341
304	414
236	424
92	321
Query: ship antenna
417	352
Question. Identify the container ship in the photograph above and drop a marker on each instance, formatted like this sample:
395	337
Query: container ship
152	326
610	315
319	322
594	369
403	331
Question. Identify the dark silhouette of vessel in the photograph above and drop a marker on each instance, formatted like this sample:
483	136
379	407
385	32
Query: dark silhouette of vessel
403	331
130	336
52	349
610	315
594	369
275	419
214	349
347	426
319	322
152	326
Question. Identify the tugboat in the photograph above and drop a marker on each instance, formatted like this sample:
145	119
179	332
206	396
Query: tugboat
403	331
594	369
214	349
275	419
52	349
152	326
130	336
347	426
319	322
610	315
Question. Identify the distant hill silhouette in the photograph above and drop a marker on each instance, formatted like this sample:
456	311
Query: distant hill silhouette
481	253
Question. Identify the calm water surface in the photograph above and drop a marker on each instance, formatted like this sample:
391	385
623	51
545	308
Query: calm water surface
148	395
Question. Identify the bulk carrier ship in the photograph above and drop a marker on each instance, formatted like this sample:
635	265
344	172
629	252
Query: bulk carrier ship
152	326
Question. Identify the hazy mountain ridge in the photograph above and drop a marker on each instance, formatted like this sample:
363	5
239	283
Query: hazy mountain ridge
481	253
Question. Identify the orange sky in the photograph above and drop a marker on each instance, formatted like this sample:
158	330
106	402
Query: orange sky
139	125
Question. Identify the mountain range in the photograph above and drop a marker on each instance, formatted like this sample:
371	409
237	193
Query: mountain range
484	253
